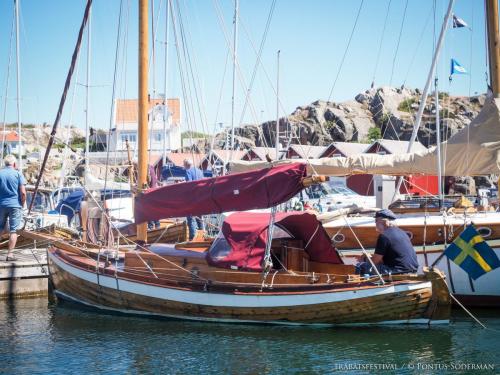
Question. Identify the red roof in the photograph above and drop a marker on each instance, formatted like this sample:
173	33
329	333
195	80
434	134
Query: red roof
127	110
10	136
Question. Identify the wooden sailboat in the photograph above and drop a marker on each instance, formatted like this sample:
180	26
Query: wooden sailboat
245	275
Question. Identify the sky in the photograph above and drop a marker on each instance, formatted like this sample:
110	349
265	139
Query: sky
318	59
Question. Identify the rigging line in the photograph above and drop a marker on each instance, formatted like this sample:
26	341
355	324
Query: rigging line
189	101
467	153
399	40
189	104
248	100
7	88
229	45
113	94
417	49
185	91
123	75
330	96
62	102
71	112
380	44
258	60
217	109
195	77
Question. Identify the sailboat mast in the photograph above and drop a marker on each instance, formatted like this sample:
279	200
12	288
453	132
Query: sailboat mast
438	143
493	45
143	108
277	145
87	94
235	49
165	108
18	78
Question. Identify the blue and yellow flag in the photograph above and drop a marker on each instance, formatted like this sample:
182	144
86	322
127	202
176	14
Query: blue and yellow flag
471	252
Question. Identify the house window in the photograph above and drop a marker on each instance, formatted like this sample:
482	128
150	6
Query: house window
132	138
336	155
158	137
381	152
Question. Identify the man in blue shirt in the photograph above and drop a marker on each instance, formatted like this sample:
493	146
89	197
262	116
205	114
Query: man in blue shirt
394	252
12	199
193	174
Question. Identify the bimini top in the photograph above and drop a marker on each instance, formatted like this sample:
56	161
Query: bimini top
236	192
244	235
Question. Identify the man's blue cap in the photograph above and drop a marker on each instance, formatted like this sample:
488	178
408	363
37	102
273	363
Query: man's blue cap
385	214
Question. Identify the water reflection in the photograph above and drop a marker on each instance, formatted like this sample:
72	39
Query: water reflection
39	338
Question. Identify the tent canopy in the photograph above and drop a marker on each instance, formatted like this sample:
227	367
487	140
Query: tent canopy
244	236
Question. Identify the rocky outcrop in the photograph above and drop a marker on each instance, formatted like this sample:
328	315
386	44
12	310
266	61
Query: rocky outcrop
392	110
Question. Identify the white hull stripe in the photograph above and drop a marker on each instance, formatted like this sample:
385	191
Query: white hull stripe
279	322
231	300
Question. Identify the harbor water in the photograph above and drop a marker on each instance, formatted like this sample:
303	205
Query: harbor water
41	338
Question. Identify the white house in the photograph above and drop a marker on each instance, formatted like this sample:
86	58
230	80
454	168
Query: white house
11	142
162	134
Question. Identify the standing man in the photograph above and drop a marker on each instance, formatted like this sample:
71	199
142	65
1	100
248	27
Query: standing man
394	252
193	174
12	199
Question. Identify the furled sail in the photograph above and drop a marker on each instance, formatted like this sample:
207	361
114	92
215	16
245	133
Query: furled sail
473	151
237	192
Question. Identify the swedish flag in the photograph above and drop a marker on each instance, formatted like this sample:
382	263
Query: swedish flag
472	253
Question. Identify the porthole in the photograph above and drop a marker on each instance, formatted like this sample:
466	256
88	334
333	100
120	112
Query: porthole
409	234
339	238
485	232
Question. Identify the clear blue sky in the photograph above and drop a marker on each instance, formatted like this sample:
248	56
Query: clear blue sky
312	36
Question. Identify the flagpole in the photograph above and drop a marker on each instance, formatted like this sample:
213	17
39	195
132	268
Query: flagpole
422	106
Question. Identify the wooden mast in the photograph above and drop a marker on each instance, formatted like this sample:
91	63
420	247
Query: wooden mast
143	108
493	45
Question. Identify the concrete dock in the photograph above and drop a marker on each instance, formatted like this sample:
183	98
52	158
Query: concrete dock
27	276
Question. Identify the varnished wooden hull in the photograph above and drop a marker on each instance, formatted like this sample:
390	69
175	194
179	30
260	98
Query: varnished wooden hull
411	302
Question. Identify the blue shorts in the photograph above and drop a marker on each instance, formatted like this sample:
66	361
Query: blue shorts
15	216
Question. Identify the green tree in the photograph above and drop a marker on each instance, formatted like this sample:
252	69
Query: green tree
374	133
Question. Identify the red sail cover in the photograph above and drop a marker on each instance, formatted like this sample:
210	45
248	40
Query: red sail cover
236	192
246	234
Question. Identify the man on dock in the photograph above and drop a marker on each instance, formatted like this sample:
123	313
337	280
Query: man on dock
12	199
394	252
193	174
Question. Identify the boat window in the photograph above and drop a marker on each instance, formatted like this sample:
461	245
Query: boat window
280	232
41	201
220	248
484	231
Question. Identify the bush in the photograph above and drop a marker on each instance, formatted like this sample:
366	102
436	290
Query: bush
374	134
405	105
